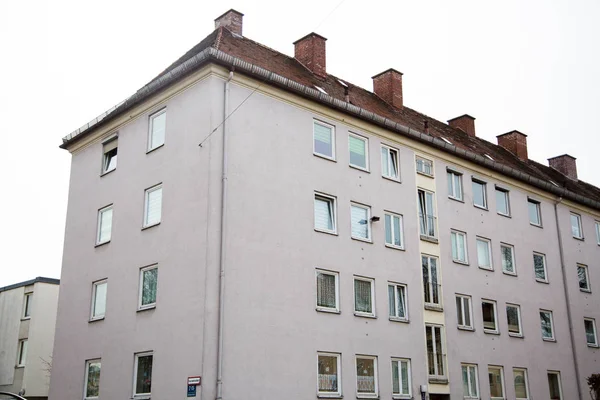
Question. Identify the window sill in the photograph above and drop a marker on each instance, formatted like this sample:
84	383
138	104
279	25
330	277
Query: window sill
442	381
359	168
585	290
434	307
466	328
150	226
328	310
362	239
486	268
456	199
593	346
391	246
549	340
96	319
401	396
25	318
389	178
358	314
425	174
102	244
324	157
542	281
146	308
428	239
461	262
490	332
107	172
504	215
481	207
579	238
327	232
148	152
19	366
330	396
536	225
398	319
509	273
367	396
516	335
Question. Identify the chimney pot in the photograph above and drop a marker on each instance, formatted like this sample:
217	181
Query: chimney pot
564	164
232	20
310	51
515	142
388	86
465	123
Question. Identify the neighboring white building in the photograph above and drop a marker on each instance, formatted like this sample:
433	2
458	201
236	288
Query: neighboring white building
27	322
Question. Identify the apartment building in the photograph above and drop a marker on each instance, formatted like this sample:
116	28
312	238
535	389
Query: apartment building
282	233
27	322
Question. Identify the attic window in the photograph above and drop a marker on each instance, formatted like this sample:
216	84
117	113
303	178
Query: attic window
342	83
488	156
445	140
320	89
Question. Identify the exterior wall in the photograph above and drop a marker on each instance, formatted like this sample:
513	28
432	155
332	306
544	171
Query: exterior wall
11	308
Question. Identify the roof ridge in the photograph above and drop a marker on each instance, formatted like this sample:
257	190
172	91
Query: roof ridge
218	40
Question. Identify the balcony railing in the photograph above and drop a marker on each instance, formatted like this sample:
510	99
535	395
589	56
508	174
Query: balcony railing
436	363
433	294
328	383
427	223
365	384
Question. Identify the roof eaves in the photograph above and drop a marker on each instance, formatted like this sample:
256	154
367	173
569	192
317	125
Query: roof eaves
39	279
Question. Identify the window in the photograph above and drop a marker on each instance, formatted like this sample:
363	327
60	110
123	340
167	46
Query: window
535	216
366	376
496	376
360	217
424	166
401	378
22	354
323	140
430	280
390	167
142	375
364	297
148	283
576	226
109	155
104	225
597	224
329	379
463	311
435	354
99	299
153	206
539	266
513	317
479	194
484	253
508	259
547	325
359	151
426	214
554	385
470	382
157	129
459	246
583	276
502	203
325	214
393	231
327	291
455	190
27	305
397	302
521	385
488	308
92	379
590	332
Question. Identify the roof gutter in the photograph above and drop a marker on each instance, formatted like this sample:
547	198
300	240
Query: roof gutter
220	57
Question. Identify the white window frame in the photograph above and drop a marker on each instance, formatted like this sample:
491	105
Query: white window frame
333	200
101	211
461	312
587	278
22	352
485	198
553	337
579	224
538	207
363	395
147	204
371	314
502	381
430	282
454	192
401	383
427	224
401	233
366	142
396	289
338	357
454	234
336	275
368	209
593	321
141	288
423	161
520	321
87	376
94	295
109	142
388	159
490	259
526	378
545	280
597	225
557	374
436	375
27	298
135	373
151	119
507	200
495	309
470	366
513	257
329	126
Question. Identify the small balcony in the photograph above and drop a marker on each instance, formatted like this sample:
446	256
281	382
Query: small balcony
427	224
436	363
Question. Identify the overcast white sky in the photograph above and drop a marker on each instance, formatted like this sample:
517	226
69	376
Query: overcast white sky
528	65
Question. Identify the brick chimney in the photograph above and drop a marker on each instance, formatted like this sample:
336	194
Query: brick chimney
515	142
310	51
232	20
564	164
388	86
465	123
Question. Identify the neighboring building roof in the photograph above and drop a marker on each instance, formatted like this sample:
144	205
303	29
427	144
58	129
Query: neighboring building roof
39	279
249	57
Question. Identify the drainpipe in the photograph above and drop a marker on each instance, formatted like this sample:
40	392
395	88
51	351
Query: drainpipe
566	289
222	254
